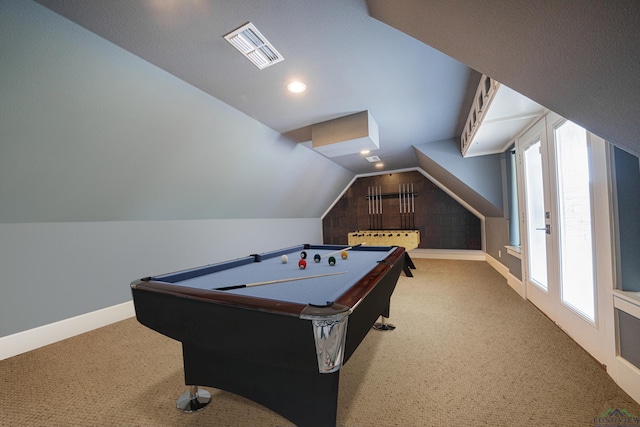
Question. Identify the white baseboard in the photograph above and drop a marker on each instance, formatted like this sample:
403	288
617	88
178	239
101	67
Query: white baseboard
515	283
24	341
628	378
465	255
498	266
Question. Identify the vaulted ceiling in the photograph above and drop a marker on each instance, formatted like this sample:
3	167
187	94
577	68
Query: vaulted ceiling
580	59
412	64
349	61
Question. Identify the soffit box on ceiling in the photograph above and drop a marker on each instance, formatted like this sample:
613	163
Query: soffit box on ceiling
346	135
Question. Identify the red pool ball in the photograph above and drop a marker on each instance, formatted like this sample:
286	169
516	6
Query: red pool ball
302	264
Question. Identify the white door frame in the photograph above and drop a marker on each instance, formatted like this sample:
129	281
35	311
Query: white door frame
538	296
597	338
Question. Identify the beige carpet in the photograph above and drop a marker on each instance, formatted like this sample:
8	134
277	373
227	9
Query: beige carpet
467	351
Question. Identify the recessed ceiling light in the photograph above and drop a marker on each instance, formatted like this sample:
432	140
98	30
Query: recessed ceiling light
379	165
365	152
296	87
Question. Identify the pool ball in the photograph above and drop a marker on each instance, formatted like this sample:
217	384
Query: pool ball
302	264
303	255
332	261
284	259
344	255
317	257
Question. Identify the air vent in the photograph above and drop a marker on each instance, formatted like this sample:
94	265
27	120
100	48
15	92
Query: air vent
254	46
373	159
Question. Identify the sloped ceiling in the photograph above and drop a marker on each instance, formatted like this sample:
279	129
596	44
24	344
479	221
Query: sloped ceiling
350	62
580	59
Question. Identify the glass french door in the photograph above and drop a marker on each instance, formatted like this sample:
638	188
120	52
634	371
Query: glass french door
560	256
575	237
536	226
536	242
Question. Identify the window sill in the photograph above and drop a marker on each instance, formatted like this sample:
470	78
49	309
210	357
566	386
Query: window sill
514	251
627	301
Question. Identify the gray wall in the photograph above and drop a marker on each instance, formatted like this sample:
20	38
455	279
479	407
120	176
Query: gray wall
497	237
89	132
112	169
477	180
58	270
627	197
530	46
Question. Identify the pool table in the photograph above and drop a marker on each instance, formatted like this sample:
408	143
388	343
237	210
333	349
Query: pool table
269	330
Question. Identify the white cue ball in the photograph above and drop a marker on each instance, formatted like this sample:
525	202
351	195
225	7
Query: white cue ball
284	259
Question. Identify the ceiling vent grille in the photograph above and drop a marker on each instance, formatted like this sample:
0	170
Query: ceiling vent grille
254	46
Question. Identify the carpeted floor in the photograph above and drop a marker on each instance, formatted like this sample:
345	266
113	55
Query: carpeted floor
467	351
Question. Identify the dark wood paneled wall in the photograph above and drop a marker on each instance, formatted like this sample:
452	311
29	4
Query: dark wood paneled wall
442	221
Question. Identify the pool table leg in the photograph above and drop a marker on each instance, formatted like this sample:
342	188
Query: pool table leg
305	397
408	265
194	399
382	325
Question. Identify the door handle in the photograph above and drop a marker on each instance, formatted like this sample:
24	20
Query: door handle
546	228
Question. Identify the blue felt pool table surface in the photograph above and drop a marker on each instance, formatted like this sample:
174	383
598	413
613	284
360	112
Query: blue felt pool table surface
315	291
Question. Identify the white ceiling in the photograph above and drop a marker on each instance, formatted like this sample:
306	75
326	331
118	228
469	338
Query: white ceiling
349	61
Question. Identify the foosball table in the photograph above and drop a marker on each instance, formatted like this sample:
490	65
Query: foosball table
408	239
